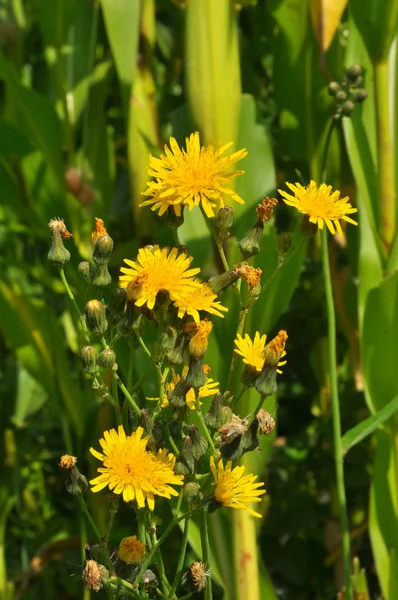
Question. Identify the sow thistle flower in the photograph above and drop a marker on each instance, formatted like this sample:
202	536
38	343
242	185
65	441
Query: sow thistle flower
320	204
234	489
157	270
133	471
254	351
199	298
197	175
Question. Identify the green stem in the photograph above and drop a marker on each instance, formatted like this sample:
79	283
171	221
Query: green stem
127	394
328	139
112	515
131	364
115	402
202	422
143	346
181	558
301	242
75	305
217	241
385	154
204	538
258	407
239	330
90	519
336	416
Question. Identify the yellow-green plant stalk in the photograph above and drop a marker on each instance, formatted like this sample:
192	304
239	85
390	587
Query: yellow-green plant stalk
213	85
142	123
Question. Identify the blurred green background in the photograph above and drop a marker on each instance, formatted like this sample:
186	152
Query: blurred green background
87	89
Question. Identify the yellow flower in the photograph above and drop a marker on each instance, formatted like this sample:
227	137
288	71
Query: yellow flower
131	470
320	204
233	489
156	270
200	298
253	352
210	388
131	550
191	177
200	337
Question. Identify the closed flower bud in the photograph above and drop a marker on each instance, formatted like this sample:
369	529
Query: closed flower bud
266	382
200	337
194	580
187	453
333	88
103	247
196	376
76	483
166	343
348	108
191	491
175	356
100	276
89	359
353	72
117	304
181	467
225	220
177	396
199	444
133	320
250	245
94	575
149	580
174	221
96	317
249	376
219	283
58	254
84	270
218	414
107	359
266	422
283	244
341	96
360	95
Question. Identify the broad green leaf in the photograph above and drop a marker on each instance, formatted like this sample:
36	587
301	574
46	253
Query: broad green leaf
292	19
30	398
368	426
122	22
380	341
377	22
393	585
325	17
383	513
55	17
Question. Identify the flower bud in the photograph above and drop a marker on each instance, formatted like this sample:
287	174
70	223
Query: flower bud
58	254
103	247
333	88
196	376
218	414
117	304
187	453
96	317
133	320
149	580
84	270
199	444
266	423
165	344
194	580
250	245
200	337
348	108
107	359
99	230
89	359
219	283
100	275
225	220
76	483
360	95
174	221
175	356
191	491
94	575
341	96
177	396
353	72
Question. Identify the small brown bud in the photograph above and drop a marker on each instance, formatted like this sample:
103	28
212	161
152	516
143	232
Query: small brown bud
265	208
266	423
233	429
194	580
67	461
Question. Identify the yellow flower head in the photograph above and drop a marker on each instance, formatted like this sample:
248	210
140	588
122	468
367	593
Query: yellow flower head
131	550
131	470
200	298
197	175
210	388
235	489
254	352
157	270
275	349
99	230
320	204
200	337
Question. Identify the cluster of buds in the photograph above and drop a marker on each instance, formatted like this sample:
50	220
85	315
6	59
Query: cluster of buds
349	92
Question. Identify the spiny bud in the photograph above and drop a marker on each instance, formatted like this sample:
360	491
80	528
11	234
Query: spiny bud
218	414
103	247
221	282
107	359
89	359
84	270
191	491
173	220
199	444
266	422
100	276
177	396
96	317
187	453
194	580
58	254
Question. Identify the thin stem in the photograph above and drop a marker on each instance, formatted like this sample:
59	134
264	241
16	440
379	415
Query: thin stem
90	519
239	330
202	422
131	364
332	125
115	402
336	416
175	236
181	558
204	538
258	407
75	304
301	242
127	394
112	515
143	346
217	241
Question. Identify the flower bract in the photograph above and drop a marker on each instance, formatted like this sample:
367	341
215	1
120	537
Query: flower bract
234	489
133	471
157	270
197	175
320	204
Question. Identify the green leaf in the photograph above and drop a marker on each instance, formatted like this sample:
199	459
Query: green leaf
368	426
30	398
393	585
377	22
55	17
